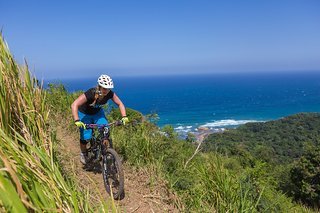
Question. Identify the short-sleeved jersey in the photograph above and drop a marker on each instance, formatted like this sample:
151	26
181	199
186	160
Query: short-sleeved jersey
86	108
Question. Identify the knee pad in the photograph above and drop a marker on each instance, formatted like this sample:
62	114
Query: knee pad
84	141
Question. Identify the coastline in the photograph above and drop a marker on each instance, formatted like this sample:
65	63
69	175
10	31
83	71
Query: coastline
202	133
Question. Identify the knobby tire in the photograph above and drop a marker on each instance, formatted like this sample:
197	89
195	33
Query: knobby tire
118	184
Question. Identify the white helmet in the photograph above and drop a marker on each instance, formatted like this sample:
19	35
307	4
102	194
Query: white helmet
105	81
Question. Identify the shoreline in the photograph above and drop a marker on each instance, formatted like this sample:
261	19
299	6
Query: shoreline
203	132
217	126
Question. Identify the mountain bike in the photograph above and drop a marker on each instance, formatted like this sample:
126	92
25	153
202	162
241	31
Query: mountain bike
101	150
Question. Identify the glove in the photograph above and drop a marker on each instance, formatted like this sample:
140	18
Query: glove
80	124
125	120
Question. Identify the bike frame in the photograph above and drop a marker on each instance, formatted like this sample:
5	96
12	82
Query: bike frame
101	150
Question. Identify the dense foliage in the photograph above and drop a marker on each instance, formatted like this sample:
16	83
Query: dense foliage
206	181
287	146
305	178
280	141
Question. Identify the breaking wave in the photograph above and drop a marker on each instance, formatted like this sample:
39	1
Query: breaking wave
215	126
227	123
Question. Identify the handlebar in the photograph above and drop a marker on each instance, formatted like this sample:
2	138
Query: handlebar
100	126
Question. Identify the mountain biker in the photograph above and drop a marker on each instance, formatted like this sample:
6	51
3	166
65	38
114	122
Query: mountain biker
87	109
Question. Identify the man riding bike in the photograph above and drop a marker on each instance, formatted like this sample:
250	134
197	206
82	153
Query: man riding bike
87	109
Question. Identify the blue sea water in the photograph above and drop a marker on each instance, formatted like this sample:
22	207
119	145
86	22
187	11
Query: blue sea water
215	101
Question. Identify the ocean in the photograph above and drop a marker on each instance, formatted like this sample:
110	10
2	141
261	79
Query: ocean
215	101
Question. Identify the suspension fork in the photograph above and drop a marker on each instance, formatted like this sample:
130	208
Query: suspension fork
106	139
106	143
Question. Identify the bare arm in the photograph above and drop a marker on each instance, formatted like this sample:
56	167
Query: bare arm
117	101
75	105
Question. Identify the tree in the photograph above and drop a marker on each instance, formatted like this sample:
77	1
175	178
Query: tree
191	138
169	131
305	178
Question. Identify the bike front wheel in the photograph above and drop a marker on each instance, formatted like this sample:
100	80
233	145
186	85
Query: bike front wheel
113	173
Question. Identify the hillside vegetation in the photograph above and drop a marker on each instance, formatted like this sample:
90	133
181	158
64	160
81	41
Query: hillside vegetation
33	180
288	148
280	141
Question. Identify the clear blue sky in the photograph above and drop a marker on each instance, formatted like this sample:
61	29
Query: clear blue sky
85	38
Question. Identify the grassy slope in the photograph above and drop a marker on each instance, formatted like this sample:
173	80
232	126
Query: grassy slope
30	177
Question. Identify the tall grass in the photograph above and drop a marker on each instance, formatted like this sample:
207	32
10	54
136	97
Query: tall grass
30	178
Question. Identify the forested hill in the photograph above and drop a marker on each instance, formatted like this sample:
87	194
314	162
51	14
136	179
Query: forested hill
279	141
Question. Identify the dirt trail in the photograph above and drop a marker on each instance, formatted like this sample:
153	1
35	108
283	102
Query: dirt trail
140	195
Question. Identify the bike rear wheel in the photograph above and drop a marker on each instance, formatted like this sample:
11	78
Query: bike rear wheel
112	173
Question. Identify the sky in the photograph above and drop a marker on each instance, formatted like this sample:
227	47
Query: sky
71	39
